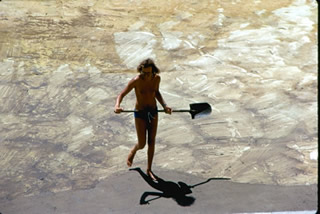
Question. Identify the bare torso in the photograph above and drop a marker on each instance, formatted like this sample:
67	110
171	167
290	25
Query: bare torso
145	90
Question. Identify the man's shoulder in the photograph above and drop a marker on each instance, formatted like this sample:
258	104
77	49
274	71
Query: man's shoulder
157	77
136	78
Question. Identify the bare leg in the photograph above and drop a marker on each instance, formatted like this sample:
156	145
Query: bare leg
152	131
141	128
131	155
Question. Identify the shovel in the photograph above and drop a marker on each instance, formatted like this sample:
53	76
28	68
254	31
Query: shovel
197	110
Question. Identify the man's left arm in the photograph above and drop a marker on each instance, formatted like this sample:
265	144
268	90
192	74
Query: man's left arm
160	98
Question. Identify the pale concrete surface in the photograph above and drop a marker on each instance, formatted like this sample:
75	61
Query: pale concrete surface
121	193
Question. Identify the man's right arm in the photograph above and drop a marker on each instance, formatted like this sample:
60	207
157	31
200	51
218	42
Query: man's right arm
123	93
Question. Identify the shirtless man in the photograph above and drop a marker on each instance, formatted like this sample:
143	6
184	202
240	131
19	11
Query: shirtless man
146	86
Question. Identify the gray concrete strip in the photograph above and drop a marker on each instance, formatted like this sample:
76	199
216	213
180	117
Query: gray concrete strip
286	212
122	192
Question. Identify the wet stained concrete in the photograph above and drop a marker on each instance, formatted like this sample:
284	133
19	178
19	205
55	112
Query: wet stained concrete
62	64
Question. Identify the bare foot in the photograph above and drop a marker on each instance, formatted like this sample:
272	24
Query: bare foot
130	158
151	175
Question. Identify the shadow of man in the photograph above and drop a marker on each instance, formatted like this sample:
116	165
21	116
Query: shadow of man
168	189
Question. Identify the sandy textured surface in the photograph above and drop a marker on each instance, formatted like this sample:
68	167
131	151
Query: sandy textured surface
62	64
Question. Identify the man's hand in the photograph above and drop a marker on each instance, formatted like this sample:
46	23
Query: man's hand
167	110
118	110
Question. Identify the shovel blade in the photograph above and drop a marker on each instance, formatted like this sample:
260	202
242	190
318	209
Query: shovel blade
198	110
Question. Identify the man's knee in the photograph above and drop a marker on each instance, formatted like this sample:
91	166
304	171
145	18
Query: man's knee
151	142
141	145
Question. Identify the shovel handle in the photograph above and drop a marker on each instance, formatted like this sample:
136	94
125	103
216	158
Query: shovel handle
181	110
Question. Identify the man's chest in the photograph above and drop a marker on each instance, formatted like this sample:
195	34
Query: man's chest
146	88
